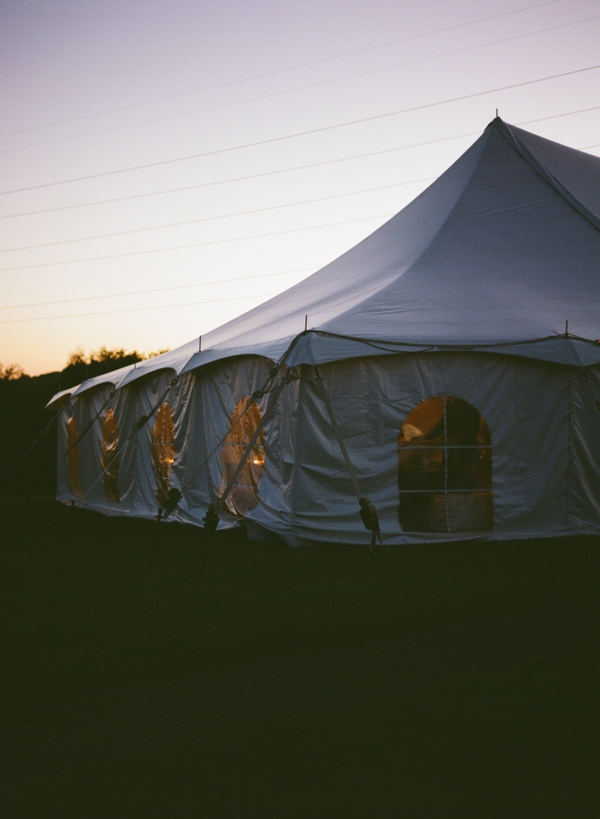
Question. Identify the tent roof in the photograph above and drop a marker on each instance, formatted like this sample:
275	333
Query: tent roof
497	254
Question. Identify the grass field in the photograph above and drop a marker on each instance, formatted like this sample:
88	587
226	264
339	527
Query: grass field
453	680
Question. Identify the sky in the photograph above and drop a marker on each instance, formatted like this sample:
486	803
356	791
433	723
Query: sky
167	166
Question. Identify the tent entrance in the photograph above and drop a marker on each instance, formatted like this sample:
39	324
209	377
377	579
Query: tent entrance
445	468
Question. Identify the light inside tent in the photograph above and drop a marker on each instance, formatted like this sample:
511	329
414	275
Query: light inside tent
243	424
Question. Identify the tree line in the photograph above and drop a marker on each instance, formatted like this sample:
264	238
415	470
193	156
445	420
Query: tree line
28	461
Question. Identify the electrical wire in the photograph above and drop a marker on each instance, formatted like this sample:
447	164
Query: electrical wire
323	129
138	309
242	178
188	222
195	244
303	284
157	289
281	70
299	87
287	170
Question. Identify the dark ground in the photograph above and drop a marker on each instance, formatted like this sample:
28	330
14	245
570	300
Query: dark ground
445	681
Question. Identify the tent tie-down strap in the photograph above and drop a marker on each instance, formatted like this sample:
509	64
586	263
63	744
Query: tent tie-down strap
256	396
175	495
215	508
90	423
367	511
31	446
140	423
16	438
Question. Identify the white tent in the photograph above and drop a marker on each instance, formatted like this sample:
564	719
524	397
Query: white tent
465	404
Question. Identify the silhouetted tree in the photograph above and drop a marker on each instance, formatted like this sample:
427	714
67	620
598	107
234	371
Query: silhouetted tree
23	419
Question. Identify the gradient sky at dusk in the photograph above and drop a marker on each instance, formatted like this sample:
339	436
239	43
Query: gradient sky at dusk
91	88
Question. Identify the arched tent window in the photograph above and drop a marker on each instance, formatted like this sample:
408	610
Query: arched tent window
244	495
445	468
73	456
110	459
163	450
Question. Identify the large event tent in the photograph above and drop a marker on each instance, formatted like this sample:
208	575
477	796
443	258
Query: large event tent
455	349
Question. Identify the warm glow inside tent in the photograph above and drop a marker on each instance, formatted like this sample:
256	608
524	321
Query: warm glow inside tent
437	376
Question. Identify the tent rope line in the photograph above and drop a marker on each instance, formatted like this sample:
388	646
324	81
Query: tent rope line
379	339
379	345
143	420
31	446
139	425
256	396
91	423
22	432
211	518
175	494
266	388
266	417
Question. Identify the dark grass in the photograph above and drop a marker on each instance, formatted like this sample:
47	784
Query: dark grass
445	680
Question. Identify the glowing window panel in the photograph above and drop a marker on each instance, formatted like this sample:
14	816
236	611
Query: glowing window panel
244	495
163	450
445	468
109	457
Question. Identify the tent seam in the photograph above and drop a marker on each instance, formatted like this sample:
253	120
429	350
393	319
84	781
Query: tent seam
544	174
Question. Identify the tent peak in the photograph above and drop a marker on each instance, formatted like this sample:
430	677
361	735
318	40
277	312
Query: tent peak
538	153
495	122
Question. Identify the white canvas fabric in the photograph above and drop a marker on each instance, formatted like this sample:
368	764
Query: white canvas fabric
466	293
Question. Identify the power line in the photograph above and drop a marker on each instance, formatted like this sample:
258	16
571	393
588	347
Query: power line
188	222
284	170
137	309
157	289
323	129
280	70
242	178
275	233
195	244
558	116
297	88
